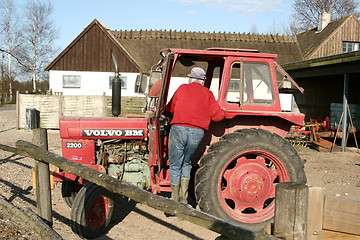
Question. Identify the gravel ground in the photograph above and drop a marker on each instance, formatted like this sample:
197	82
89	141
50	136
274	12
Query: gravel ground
338	173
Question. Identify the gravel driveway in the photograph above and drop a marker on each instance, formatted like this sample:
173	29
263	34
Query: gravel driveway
338	173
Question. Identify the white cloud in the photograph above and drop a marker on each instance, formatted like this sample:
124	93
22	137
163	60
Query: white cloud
240	6
192	12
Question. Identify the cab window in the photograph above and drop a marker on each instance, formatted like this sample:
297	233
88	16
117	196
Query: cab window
215	82
250	84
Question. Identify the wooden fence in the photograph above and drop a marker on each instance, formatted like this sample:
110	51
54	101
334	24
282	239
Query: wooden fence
341	218
52	107
300	212
303	212
169	206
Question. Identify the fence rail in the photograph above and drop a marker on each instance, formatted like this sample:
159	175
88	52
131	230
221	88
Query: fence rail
31	219
166	205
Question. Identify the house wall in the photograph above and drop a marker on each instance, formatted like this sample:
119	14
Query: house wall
92	83
349	31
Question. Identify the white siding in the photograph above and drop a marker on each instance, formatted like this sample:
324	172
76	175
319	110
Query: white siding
92	83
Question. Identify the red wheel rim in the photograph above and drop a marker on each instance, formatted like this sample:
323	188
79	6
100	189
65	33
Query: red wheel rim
246	185
98	212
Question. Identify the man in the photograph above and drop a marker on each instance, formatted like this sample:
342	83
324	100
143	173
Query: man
193	107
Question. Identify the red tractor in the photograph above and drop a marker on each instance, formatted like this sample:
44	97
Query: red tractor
237	164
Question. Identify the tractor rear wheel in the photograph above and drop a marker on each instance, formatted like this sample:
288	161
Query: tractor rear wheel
237	177
92	211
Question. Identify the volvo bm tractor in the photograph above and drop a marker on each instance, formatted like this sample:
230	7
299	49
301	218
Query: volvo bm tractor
236	166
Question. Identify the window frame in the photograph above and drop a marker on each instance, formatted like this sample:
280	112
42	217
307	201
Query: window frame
73	83
123	82
244	97
350	46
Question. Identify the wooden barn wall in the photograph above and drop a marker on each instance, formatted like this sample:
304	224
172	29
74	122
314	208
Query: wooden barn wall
350	31
51	107
92	53
320	92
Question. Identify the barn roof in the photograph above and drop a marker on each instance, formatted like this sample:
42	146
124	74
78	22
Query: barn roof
145	46
311	40
142	47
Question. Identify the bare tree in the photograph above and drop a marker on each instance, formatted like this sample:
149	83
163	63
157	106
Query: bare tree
307	12
39	35
8	23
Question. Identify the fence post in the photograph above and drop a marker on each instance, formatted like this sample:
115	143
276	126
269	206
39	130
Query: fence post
105	105
42	173
17	110
315	213
291	204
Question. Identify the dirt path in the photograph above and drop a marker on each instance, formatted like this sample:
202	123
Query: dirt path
338	173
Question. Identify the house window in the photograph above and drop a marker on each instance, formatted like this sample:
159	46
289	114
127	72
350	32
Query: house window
123	82
350	46
71	81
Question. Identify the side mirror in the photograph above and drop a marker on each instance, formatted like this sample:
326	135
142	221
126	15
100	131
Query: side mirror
140	83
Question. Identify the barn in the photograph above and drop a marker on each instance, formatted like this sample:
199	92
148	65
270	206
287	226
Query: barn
85	67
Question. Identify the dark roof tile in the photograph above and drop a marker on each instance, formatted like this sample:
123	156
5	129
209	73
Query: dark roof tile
310	40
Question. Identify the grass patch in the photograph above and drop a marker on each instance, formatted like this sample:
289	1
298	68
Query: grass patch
5	104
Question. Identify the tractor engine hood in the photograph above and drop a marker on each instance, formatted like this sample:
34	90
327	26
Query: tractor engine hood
102	128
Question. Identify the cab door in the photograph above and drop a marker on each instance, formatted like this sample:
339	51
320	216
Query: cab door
248	85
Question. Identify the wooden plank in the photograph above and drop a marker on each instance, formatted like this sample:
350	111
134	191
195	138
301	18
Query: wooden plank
42	174
46	104
51	107
129	105
17	110
291	200
315	213
341	215
52	181
49	110
330	235
178	209
85	106
33	221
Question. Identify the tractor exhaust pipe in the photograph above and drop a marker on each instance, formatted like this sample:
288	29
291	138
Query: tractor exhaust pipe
116	88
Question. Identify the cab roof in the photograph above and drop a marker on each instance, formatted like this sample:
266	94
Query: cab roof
222	52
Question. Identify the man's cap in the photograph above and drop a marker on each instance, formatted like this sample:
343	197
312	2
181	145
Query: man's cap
197	73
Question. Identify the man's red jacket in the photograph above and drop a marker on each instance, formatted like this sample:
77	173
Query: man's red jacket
194	105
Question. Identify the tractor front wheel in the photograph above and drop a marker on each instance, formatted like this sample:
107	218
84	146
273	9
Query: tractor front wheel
237	177
69	190
92	211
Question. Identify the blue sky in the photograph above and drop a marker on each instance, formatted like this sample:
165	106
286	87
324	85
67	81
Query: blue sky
190	15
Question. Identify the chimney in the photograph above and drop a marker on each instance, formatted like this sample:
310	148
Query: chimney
324	20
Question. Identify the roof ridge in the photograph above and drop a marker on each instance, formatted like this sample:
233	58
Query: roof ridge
331	22
197	35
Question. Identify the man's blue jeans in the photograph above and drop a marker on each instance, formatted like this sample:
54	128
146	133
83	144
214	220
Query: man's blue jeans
183	142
